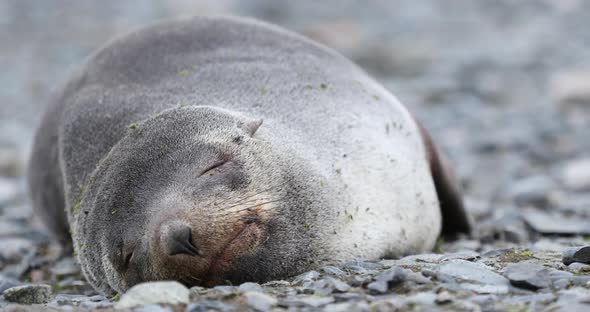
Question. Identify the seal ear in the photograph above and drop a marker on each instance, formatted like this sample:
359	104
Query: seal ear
250	126
454	216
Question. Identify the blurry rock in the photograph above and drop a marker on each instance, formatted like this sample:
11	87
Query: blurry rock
307	276
13	249
571	88
260	301
65	266
248	286
8	191
527	275
154	292
576	174
469	271
576	254
533	190
388	279
332	270
6	282
153	308
29	294
555	223
11	161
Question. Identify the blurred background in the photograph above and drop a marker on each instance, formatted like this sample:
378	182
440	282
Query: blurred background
504	87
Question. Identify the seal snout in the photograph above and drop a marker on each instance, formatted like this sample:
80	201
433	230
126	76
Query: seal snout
177	239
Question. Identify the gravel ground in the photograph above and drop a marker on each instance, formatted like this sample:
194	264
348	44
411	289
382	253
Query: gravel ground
504	86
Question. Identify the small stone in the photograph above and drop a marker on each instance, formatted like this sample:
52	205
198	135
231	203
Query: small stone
347	306
555	223
13	249
6	283
154	293
248	286
367	265
307	276
527	275
469	271
153	308
576	254
312	301
260	301
332	270
8	191
29	294
443	297
579	267
576	174
388	279
64	267
463	255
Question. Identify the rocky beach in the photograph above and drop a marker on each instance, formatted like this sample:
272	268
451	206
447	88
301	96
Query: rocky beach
503	86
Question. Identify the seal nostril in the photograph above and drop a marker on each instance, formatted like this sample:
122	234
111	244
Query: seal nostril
179	241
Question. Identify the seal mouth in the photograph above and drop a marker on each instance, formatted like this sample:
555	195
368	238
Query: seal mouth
245	240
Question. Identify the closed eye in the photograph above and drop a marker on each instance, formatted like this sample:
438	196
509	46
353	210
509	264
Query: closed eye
211	168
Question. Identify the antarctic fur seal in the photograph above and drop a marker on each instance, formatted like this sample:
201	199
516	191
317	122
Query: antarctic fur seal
212	149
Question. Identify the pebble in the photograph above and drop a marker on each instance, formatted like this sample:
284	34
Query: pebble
248	286
576	254
29	294
469	271
260	301
556	223
576	174
154	293
8	191
388	279
528	276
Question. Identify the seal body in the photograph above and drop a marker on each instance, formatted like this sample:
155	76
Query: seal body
213	149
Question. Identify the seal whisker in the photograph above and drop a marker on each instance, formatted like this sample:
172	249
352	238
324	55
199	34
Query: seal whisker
249	207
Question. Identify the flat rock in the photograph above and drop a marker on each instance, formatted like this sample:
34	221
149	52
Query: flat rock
556	223
527	275
154	293
576	174
29	294
260	301
388	279
249	286
474	272
576	254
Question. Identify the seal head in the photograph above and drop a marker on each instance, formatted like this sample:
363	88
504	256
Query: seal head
175	199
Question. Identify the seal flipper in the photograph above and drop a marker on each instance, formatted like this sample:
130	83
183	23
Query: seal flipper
454	216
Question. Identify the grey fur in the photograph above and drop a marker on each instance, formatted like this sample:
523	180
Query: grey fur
123	143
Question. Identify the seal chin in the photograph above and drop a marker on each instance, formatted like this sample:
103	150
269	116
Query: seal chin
243	242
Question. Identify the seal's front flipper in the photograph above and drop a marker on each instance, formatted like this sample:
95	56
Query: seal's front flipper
454	216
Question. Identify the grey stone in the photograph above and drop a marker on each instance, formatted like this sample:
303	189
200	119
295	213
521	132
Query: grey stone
463	255
6	282
332	270
65	266
8	191
260	301
474	272
555	223
248	286
576	254
361	306
210	305
388	279
153	308
579	267
486	289
306	300
154	293
13	249
528	276
576	174
29	294
307	276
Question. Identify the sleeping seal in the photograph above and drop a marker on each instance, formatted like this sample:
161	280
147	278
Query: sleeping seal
207	150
